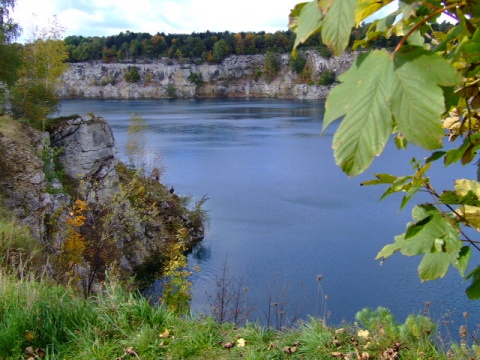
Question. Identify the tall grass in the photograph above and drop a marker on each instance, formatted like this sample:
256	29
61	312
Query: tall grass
42	320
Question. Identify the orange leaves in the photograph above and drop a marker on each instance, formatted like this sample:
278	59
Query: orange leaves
76	217
74	243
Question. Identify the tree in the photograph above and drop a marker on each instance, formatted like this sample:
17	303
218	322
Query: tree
221	50
425	88
10	59
271	65
43	61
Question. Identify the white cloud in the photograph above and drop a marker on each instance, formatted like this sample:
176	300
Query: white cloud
109	17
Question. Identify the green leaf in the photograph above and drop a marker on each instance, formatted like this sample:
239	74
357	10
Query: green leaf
338	24
434	266
463	259
381	87
414	228
435	156
365	8
465	151
305	20
433	236
367	126
473	291
417	100
380	179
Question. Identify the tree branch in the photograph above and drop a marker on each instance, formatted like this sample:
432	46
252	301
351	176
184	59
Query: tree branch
421	23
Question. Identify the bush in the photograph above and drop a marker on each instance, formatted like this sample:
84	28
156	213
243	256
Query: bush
171	91
195	78
324	52
32	100
327	77
298	63
133	74
271	65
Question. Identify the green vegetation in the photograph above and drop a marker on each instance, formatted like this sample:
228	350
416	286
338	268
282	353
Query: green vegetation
327	77
208	46
29	72
42	320
171	91
132	75
195	78
46	315
423	92
271	65
297	63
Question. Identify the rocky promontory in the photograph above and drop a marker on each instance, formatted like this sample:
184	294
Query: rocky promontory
237	76
69	188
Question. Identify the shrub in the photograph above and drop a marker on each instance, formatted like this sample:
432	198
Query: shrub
298	63
324	52
195	78
327	77
132	75
171	91
271	65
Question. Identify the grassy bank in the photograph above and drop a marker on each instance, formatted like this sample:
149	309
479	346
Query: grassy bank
39	319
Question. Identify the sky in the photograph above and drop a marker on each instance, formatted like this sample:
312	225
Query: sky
110	17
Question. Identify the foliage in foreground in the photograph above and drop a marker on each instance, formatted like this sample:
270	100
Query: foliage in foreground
42	320
422	91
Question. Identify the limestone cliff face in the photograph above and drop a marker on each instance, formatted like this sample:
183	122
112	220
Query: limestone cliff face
236	76
87	151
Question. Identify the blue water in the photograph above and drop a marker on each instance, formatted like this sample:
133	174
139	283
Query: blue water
281	212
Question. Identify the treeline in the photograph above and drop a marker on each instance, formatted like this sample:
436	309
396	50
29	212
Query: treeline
208	46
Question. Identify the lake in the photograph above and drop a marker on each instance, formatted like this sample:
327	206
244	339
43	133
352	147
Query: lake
282	213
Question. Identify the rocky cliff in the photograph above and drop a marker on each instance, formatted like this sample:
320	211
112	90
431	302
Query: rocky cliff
127	220
236	76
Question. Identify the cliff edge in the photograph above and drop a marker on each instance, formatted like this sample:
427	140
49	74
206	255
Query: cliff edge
236	76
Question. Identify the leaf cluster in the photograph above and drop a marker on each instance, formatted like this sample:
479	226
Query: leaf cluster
425	90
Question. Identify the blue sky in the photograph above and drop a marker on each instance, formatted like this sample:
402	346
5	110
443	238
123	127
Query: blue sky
109	17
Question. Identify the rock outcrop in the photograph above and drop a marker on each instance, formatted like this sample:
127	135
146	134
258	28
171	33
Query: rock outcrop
87	152
26	188
236	76
132	217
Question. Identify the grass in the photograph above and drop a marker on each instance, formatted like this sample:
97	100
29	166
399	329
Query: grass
42	320
39	318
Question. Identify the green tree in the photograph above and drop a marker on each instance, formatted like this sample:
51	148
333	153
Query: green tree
221	50
43	61
10	59
297	63
133	74
271	65
419	92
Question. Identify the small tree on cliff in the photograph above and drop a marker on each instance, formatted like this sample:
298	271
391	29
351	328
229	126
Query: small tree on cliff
43	61
10	59
426	88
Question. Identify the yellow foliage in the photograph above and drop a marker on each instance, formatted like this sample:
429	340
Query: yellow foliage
74	243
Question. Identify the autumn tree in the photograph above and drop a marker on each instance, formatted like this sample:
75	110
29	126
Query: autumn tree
425	88
43	61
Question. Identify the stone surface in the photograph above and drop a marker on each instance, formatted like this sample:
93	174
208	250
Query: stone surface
87	153
234	77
